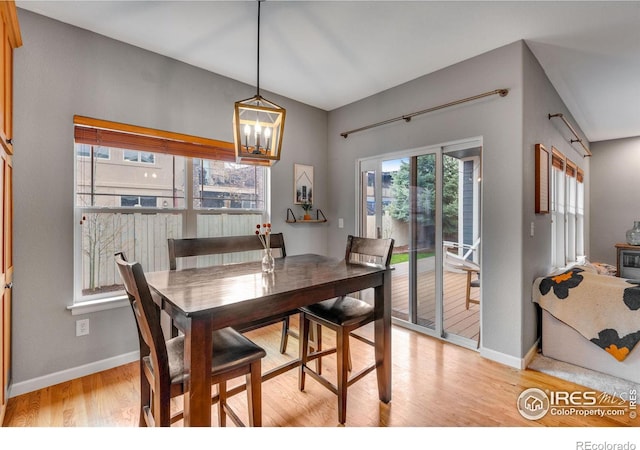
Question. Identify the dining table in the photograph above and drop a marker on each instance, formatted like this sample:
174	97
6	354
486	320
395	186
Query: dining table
200	300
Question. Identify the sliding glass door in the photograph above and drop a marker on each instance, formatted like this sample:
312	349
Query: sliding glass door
429	202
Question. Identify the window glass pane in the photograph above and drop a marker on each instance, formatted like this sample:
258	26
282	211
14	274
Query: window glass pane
580	220
132	200
142	237
108	183
130	155
226	185
83	150
98	152
557	218
101	152
571	195
147	157
580	200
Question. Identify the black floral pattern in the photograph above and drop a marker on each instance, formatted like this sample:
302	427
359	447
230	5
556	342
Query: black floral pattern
618	347
561	283
631	296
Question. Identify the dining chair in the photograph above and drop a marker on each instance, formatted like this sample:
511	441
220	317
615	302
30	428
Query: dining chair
162	372
190	247
343	315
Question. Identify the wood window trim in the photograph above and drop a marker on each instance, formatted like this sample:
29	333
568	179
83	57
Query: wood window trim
557	159
105	133
571	168
562	163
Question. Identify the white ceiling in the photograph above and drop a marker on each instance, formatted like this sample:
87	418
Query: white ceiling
331	53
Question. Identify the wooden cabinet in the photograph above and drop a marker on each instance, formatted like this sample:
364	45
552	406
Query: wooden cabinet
10	33
628	261
9	40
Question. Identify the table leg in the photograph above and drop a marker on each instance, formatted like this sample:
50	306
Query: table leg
382	330
197	363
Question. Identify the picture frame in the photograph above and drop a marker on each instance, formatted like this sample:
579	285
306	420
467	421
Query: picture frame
542	190
302	184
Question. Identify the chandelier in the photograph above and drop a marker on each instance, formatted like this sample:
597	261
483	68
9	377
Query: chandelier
258	125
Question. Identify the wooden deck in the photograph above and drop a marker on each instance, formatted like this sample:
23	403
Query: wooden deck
457	319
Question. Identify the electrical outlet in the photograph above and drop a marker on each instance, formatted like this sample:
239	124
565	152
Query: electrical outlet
82	327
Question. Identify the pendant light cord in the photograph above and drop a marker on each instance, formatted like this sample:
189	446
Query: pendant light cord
258	53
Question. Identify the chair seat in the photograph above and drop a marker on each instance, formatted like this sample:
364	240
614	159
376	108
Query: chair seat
230	350
342	311
475	283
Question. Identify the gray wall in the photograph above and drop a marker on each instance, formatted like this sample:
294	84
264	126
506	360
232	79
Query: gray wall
615	204
540	100
61	71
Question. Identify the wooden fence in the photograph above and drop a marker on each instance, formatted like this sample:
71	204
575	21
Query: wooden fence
143	238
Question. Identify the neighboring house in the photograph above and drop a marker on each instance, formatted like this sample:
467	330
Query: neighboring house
73	71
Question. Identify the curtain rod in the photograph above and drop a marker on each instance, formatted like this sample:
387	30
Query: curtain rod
577	139
408	117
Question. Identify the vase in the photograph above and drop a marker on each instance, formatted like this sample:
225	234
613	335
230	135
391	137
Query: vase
307	217
633	235
268	263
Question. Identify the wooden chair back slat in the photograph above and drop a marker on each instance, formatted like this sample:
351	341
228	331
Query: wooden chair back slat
181	248
147	315
369	251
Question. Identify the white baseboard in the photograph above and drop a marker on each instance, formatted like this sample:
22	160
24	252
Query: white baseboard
511	361
44	381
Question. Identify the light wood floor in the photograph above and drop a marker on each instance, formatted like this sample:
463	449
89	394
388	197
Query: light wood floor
435	384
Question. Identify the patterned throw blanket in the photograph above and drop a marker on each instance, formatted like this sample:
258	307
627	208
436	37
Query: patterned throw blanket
604	309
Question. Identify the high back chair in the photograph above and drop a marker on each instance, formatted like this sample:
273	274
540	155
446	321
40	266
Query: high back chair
190	247
343	315
162	371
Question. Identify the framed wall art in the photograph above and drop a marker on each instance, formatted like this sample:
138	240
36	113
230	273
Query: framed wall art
542	179
303	184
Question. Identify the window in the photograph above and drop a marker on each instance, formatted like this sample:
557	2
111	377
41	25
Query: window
85	150
227	185
567	210
143	157
139	200
132	199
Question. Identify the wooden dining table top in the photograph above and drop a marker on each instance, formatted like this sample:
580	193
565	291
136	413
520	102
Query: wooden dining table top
244	289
